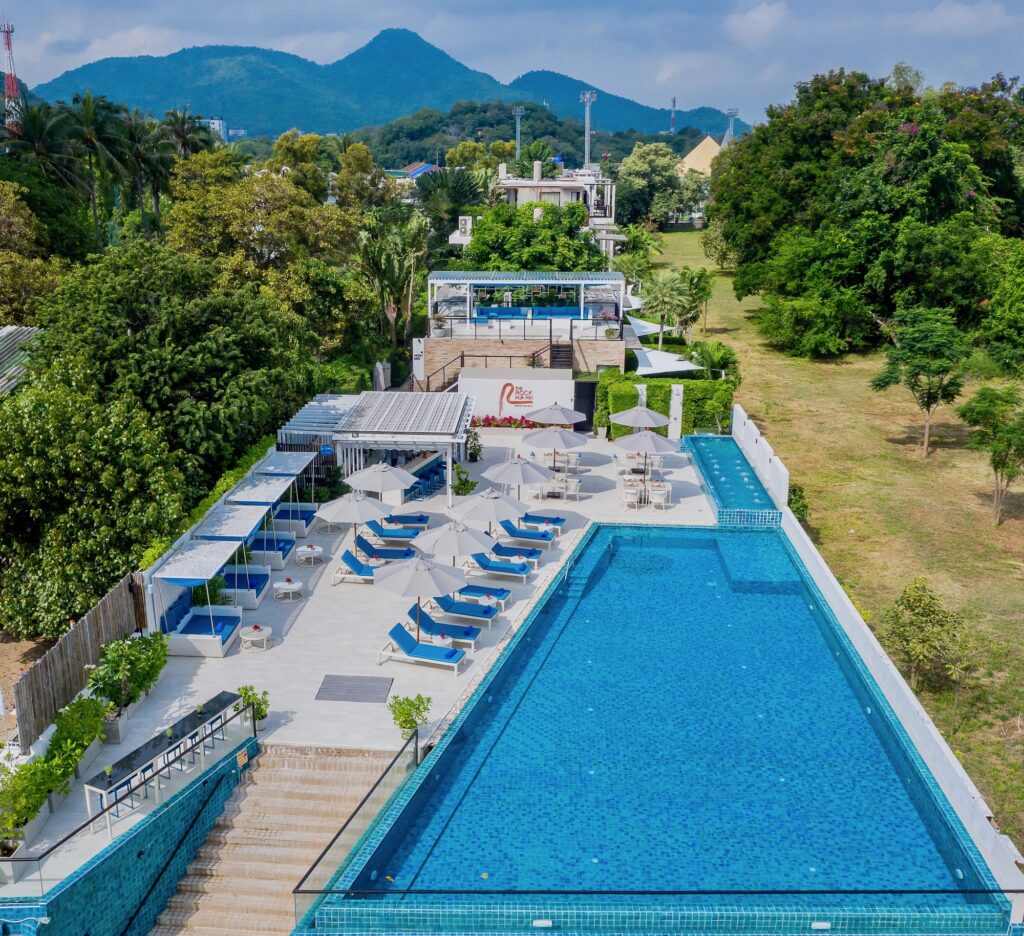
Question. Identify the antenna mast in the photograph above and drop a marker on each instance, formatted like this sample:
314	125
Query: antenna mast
586	99
672	122
12	91
518	112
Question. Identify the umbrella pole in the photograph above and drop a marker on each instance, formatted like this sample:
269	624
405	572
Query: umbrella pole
209	607
417	619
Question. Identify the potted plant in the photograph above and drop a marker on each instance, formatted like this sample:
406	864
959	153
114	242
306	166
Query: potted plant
439	321
409	712
127	669
258	702
79	731
474	447
23	793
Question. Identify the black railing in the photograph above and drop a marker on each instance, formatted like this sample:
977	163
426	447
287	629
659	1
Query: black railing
526	329
447	374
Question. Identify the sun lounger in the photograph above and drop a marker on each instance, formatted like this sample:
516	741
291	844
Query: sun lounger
420	520
527	536
498	567
352	568
539	520
518	553
470	610
373	551
403	647
483	593
392	534
459	633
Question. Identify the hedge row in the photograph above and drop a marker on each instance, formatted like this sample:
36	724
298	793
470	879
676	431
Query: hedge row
703	400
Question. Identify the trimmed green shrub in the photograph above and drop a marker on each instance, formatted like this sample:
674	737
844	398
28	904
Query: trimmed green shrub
798	502
706	403
128	668
409	712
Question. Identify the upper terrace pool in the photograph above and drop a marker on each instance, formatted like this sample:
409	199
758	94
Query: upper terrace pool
682	740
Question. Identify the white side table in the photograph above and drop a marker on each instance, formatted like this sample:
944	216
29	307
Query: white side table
441	641
309	554
287	591
257	637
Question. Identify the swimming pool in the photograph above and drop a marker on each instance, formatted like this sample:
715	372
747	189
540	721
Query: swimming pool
682	739
727	472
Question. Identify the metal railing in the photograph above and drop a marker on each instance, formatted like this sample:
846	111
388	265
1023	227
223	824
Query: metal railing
446	375
316	882
526	329
21	865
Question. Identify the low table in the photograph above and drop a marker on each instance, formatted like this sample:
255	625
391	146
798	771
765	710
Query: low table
261	638
311	554
287	591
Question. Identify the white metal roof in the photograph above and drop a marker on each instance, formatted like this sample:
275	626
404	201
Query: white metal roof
320	416
262	489
286	464
231	522
520	278
13	339
406	418
196	562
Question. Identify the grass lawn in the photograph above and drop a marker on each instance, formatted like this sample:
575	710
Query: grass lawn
882	514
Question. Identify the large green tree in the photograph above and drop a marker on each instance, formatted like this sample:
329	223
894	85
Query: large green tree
648	184
996	414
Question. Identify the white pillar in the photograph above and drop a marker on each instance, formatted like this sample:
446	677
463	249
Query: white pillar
582	291
448	473
469	302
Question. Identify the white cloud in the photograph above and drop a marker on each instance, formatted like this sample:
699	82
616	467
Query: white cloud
756	25
951	19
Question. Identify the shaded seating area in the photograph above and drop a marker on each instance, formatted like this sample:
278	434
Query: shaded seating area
404	648
245	582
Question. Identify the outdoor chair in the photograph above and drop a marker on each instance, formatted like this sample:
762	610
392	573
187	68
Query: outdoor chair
352	568
382	552
496	566
459	633
659	497
517	553
484	593
542	520
391	534
404	648
470	610
527	535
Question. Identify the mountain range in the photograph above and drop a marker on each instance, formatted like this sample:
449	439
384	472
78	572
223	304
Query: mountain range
395	74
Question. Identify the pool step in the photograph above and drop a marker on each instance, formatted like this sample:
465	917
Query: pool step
273	827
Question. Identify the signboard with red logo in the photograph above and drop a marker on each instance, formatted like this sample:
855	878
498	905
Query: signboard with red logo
514	392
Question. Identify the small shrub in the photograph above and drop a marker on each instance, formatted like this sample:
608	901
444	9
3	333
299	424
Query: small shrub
409	712
128	668
258	701
474	447
462	484
79	724
23	793
798	502
214	591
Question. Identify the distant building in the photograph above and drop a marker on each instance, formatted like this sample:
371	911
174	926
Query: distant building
218	125
414	170
699	159
236	134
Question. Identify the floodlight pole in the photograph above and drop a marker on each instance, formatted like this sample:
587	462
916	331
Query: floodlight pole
586	99
518	112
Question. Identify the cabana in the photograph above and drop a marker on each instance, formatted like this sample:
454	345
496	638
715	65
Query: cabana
203	630
294	516
236	523
270	547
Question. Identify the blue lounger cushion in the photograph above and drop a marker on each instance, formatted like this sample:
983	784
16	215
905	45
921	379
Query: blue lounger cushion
456	631
539	536
354	565
395	533
240	581
419	651
420	519
468	609
485	591
558	522
285	512
516	552
383	552
488	564
270	544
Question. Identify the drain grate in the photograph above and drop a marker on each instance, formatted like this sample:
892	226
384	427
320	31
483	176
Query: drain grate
354	689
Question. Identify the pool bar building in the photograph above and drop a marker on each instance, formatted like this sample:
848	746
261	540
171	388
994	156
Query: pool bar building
692	731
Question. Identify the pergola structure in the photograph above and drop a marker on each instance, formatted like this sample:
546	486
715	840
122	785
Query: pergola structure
447	287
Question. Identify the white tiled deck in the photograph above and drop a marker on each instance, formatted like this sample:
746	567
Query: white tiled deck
338	630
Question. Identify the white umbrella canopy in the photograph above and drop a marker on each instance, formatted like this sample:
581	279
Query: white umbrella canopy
639	417
453	539
490	506
646	443
556	415
419	578
519	471
354	508
555	437
380	478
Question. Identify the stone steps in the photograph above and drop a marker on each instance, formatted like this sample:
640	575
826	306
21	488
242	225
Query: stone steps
274	826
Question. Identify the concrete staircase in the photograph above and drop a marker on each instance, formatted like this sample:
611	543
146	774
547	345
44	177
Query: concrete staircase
282	815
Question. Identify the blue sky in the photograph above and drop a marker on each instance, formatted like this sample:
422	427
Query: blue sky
742	53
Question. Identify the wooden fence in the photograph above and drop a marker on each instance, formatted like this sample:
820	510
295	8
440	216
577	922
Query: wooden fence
60	674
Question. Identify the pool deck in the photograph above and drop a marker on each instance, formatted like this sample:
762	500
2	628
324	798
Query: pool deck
339	629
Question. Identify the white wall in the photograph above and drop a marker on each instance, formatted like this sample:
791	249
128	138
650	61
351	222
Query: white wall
511	393
999	852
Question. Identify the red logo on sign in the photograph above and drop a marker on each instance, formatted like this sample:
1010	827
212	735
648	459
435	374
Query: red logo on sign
513	395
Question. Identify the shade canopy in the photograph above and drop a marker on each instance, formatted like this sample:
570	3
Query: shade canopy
639	417
641	327
234	522
646	443
196	562
518	471
556	415
555	437
286	464
380	478
263	490
490	506
453	539
419	578
352	508
650	361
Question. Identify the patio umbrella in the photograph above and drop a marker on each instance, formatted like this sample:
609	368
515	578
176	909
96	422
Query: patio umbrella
419	578
490	507
453	539
639	417
519	471
354	508
649	443
380	478
555	438
556	415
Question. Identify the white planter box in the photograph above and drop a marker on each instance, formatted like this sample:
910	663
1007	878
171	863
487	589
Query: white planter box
115	731
11	871
56	800
34	827
88	756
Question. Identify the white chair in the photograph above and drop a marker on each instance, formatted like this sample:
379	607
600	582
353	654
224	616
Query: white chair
572	461
631	496
655	464
659	496
572	488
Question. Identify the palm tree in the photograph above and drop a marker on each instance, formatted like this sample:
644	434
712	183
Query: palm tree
148	153
187	132
447	193
667	299
415	239
44	136
715	356
380	267
95	128
699	282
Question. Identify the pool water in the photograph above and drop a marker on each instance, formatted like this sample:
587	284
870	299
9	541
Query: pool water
679	716
725	469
